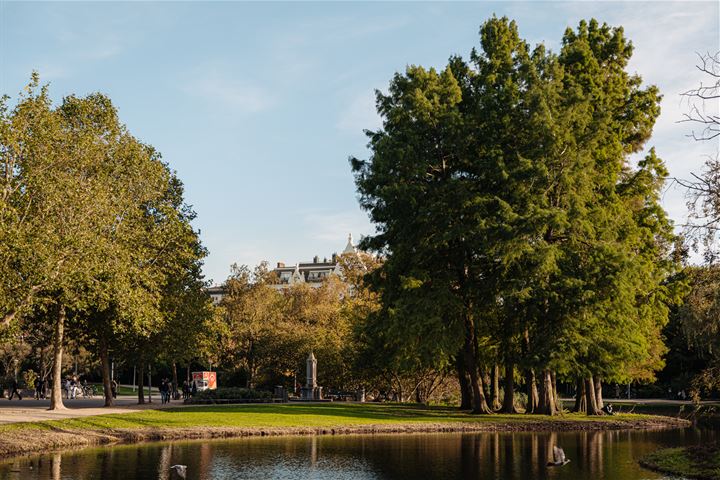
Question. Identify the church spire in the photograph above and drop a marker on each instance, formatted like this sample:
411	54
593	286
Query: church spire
349	248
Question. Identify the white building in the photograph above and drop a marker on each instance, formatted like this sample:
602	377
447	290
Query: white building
312	273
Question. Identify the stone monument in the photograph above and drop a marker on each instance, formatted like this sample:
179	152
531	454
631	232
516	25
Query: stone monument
311	391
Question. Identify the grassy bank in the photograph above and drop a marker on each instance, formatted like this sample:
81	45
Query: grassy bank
700	462
289	419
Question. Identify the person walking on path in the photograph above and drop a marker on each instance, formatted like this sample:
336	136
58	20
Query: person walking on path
14	390
194	389
73	387
39	386
113	388
163	391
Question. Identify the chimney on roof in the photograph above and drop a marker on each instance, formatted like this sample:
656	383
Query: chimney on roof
316	259
281	265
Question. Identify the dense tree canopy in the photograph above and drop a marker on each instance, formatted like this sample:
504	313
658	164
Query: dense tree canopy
93	226
516	229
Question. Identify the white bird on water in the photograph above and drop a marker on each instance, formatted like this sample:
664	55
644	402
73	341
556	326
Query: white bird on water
181	470
558	458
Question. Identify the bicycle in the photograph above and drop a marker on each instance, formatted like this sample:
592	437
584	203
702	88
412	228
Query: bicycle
88	391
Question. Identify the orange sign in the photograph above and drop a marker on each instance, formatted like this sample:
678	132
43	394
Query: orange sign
205	380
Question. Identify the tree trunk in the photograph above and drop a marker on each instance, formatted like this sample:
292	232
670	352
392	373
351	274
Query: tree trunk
465	390
174	380
105	363
558	402
591	398
508	405
532	391
484	388
546	405
43	370
580	401
487	379
479	404
251	367
598	393
56	402
141	383
495	388
149	384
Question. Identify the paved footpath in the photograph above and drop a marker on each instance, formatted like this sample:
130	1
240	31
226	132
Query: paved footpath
31	410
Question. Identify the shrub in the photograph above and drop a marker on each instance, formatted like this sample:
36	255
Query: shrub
29	378
232	393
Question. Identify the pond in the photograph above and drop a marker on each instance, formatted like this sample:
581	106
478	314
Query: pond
594	455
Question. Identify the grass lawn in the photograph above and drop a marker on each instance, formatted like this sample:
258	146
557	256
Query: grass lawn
702	462
303	415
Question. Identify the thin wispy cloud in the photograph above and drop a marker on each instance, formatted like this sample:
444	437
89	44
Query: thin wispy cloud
221	89
359	114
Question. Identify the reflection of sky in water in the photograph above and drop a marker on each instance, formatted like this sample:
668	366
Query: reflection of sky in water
281	467
520	456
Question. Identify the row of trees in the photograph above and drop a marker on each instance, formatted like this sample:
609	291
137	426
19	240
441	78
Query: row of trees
270	328
95	238
518	234
269	331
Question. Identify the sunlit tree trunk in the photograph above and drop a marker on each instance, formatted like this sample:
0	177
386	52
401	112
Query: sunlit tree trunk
479	404
56	402
598	393
591	398
546	406
495	388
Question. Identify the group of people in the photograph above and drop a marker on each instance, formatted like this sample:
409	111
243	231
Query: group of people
14	389
74	387
189	389
167	390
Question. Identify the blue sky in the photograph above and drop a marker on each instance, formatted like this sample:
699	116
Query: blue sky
259	105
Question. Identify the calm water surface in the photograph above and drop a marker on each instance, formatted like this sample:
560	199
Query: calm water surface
594	455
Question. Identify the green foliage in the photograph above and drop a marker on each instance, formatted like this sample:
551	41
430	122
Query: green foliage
700	321
29	377
514	223
268	331
93	225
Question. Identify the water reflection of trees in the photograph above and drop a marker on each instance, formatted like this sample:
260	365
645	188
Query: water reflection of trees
508	456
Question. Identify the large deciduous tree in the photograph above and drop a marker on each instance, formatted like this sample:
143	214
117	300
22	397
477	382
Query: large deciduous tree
88	217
